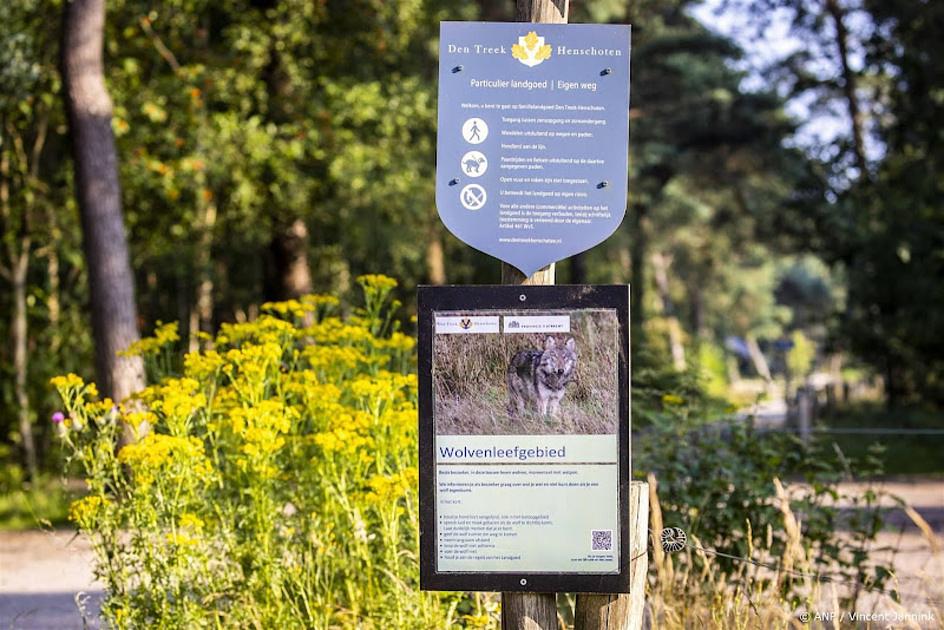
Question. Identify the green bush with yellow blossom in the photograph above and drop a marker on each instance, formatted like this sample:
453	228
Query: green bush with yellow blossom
270	483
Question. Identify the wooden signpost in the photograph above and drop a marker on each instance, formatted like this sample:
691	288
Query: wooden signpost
538	611
531	168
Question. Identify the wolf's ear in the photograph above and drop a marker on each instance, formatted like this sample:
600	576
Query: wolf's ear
571	344
549	343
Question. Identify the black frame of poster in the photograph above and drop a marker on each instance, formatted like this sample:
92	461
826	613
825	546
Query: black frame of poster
525	297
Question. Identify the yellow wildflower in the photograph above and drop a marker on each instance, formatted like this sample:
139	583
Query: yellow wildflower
190	521
386	489
376	282
85	512
148	457
67	382
202	365
164	334
672	399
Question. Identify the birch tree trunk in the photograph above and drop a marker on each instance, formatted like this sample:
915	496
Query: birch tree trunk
111	283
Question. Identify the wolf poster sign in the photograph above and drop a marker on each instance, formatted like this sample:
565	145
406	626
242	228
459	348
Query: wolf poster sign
533	134
524	438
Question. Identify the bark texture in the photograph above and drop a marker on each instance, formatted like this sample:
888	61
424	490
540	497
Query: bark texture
292	273
111	283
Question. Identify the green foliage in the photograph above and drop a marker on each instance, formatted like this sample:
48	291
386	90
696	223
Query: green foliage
713	369
900	452
800	357
717	483
41	502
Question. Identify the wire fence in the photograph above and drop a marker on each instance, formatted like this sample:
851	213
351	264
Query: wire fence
674	540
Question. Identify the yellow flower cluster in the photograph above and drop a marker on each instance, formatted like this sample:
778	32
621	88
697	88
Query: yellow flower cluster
320	399
346	432
175	398
190	521
376	282
334	359
260	429
382	385
85	512
387	489
156	451
164	334
398	342
331	330
302	307
67	381
253	360
202	365
672	400
266	329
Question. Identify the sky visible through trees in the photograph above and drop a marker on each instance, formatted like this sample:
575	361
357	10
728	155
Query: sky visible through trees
785	181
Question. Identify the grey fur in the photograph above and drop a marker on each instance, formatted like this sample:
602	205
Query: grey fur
537	378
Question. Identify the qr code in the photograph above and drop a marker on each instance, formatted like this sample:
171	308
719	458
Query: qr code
601	539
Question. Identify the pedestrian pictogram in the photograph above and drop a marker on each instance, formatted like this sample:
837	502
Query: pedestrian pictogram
474	163
472	197
474	130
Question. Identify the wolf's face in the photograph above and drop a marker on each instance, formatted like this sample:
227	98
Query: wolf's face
558	363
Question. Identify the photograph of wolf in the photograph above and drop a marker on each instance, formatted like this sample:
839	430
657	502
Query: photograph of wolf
513	383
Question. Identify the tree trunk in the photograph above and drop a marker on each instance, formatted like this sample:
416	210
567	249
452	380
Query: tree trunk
758	358
578	269
849	84
111	283
494	10
19	336
435	259
637	289
660	268
53	303
201	314
291	273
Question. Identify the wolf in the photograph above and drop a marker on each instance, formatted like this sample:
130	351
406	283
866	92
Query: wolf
537	378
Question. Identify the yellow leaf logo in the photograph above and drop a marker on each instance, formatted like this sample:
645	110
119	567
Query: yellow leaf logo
531	49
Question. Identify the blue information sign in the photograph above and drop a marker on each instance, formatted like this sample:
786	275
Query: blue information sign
533	137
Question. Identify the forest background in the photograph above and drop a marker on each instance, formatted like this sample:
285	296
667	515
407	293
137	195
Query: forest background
785	219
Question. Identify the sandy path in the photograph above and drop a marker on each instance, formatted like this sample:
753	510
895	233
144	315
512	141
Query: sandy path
41	572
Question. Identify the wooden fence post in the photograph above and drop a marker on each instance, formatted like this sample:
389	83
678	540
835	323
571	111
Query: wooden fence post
596	611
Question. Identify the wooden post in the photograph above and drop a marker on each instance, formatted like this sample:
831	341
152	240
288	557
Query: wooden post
538	611
533	611
805	412
597	611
